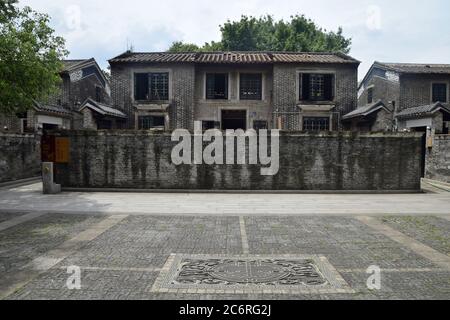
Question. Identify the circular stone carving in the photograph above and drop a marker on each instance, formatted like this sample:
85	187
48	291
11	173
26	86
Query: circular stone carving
248	271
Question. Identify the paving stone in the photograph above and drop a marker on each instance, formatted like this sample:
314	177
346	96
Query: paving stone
432	231
127	259
24	242
345	242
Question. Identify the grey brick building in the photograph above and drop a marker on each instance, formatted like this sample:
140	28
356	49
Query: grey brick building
229	90
414	97
81	81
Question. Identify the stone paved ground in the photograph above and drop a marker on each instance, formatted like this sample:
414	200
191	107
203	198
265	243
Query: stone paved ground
123	260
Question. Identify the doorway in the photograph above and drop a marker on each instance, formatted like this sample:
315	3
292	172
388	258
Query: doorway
234	119
424	146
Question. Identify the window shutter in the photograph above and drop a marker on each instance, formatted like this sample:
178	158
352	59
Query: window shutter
140	86
329	87
305	87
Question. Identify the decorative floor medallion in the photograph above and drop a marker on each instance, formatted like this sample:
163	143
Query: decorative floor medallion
249	274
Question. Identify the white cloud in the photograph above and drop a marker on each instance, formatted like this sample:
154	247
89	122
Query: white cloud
403	31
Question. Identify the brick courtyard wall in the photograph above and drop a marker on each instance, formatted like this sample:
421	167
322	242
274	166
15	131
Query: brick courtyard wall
438	159
322	161
20	156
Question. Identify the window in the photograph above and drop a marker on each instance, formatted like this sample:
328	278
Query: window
104	124
439	92
316	87
159	86
250	87
151	86
316	124
260	125
217	86
151	122
98	94
210	124
370	95
141	86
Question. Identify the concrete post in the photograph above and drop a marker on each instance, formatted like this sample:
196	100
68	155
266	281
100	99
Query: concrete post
49	186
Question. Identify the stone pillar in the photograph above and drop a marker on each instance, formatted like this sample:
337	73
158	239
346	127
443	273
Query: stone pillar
49	186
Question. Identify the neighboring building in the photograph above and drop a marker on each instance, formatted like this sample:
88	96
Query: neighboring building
371	117
230	90
416	95
81	80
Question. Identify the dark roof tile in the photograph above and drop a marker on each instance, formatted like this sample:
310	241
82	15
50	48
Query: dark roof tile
365	110
421	111
416	68
234	57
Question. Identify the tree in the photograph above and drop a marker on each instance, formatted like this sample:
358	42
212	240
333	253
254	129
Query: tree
7	9
179	46
264	34
30	58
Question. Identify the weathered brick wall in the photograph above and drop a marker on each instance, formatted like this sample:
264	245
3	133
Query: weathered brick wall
256	109
19	156
331	161
383	121
9	123
383	89
416	89
438	159
286	95
182	83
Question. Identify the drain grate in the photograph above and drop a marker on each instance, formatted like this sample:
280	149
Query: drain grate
249	274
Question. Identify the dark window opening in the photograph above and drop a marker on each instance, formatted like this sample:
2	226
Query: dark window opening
234	119
316	124
209	124
316	87
103	124
217	86
98	94
260	125
141	86
369	95
151	86
250	87
151	122
439	92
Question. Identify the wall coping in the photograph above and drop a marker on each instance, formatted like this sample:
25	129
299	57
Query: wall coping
18	135
442	137
324	134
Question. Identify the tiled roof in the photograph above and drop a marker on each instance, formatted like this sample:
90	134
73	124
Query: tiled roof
102	108
51	109
73	64
234	57
416	68
422	110
365	110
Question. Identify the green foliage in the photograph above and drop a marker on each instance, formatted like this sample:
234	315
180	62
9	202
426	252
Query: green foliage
179	46
7	9
264	34
30	58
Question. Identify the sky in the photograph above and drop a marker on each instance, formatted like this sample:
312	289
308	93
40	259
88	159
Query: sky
387	31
